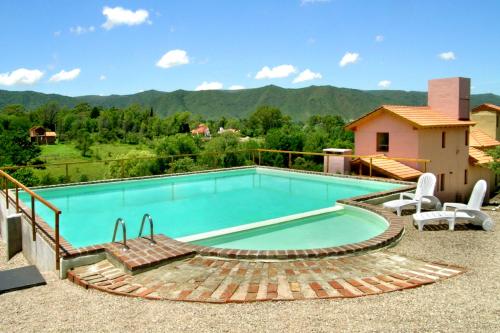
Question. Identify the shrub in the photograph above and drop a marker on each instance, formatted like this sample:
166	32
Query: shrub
185	164
303	164
38	164
135	164
64	179
47	179
26	177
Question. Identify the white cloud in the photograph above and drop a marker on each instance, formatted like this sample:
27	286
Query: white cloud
20	76
65	75
447	55
379	38
209	86
275	72
173	58
57	33
307	75
384	84
79	30
121	16
102	77
236	87
349	58
310	2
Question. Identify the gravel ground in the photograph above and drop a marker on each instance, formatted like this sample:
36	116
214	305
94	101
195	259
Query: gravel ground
467	303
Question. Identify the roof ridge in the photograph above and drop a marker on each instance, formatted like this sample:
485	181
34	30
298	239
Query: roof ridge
407	106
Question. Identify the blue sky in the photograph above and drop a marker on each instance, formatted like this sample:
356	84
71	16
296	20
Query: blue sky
122	47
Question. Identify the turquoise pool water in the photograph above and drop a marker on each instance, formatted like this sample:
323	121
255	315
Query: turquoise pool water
193	204
347	226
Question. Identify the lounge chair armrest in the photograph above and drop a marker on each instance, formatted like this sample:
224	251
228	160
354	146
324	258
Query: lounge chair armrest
476	214
406	194
454	205
478	218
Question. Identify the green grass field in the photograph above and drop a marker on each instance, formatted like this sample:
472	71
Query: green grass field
74	165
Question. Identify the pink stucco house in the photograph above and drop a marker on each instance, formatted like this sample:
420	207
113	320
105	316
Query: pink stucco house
440	132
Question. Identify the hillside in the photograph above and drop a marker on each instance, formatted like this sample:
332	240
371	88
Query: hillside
298	103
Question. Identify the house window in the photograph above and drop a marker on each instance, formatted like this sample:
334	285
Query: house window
466	177
443	139
441	182
467	137
383	142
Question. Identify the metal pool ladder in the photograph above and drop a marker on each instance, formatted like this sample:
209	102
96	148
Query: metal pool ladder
124	230
151	239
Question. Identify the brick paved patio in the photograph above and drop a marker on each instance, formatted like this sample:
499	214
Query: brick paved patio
217	280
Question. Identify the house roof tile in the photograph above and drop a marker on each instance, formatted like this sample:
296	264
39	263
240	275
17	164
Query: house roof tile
391	168
486	107
418	116
480	139
477	156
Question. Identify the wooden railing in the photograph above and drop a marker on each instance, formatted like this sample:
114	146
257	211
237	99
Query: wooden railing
9	181
123	160
290	153
256	159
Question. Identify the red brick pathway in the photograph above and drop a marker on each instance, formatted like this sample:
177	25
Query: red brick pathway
215	280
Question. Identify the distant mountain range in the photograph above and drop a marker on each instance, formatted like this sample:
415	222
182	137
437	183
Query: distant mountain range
298	103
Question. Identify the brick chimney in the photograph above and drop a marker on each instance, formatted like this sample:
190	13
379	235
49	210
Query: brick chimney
450	96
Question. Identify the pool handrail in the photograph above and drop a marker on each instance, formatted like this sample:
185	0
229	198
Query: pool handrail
151	238
124	230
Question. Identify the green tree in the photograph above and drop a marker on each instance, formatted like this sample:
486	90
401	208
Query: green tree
83	142
495	165
136	163
286	138
16	148
223	151
95	113
26	176
46	115
185	164
265	119
177	144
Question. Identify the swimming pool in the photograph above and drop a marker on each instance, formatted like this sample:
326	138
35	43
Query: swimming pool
344	226
187	205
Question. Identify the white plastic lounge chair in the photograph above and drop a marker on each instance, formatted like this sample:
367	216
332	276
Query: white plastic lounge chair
424	195
470	211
